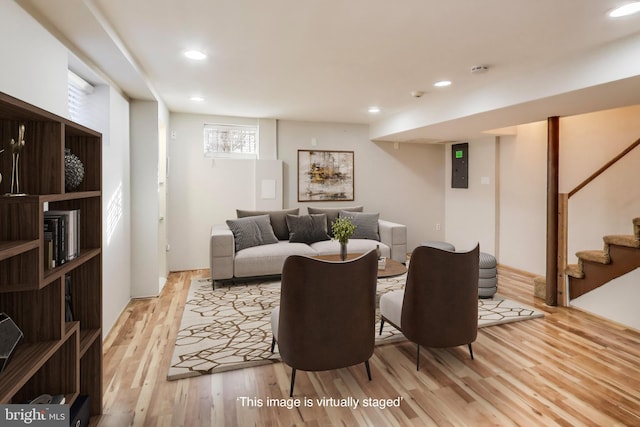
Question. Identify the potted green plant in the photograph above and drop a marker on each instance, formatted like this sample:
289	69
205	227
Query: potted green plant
343	229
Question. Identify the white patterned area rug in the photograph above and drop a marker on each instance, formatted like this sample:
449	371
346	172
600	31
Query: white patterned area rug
230	327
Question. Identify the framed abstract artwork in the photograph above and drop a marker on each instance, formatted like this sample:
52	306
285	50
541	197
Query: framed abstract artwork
325	176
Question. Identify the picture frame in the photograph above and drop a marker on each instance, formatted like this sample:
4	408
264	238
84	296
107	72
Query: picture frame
325	176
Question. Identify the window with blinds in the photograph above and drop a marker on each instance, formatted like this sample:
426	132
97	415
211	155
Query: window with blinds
231	141
78	92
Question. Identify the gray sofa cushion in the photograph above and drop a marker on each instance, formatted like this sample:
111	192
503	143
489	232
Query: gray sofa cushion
307	228
366	224
332	214
278	220
252	231
267	259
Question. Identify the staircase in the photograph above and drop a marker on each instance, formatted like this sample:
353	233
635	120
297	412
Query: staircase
621	254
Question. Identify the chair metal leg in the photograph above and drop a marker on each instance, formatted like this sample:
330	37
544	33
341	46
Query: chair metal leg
418	358
273	344
366	364
381	325
470	351
293	380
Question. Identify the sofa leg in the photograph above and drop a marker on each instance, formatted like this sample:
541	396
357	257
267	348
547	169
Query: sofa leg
470	351
273	344
381	325
293	380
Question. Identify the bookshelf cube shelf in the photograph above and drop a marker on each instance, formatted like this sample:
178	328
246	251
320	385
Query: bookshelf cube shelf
56	356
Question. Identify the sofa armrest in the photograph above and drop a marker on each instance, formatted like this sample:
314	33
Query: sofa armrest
221	252
395	236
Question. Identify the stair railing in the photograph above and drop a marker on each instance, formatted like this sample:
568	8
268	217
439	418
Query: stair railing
563	221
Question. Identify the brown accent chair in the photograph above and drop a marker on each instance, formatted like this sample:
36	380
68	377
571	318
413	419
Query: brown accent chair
439	305
326	317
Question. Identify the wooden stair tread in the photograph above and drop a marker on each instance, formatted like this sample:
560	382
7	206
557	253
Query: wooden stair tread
574	270
540	279
594	256
594	268
630	241
623	260
540	287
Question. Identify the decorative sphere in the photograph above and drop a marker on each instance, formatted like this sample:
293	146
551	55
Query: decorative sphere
73	171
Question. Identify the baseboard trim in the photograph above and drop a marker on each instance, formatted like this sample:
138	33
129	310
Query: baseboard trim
514	270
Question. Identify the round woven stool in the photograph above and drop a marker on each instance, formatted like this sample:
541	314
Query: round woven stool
488	276
440	245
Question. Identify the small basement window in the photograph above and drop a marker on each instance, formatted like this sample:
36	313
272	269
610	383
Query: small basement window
78	99
231	141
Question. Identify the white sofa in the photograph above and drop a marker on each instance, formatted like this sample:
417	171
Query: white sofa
267	260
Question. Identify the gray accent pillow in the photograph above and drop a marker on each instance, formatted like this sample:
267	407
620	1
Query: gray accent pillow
332	214
307	228
278	220
366	224
252	231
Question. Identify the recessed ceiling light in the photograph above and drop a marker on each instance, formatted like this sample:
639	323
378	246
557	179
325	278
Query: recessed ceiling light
627	9
195	54
374	110
196	99
442	83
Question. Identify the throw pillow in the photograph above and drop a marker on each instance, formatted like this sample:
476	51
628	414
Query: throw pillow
278	220
332	214
252	231
307	228
366	224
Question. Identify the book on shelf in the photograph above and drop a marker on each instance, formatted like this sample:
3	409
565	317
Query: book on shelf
48	251
62	227
68	314
51	230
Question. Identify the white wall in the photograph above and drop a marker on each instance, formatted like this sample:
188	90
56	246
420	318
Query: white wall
404	185
163	220
268	184
144	198
471	212
523	199
267	139
34	63
616	300
202	191
116	210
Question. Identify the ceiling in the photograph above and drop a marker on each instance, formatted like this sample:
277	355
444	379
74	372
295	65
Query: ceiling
330	60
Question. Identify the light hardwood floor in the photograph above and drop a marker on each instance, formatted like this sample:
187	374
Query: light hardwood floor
567	369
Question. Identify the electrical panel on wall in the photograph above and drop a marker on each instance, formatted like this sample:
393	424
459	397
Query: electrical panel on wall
460	165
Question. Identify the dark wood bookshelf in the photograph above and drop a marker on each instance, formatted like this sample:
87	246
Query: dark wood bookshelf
55	356
11	249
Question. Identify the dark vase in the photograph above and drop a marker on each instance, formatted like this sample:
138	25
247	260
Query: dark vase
73	170
343	251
